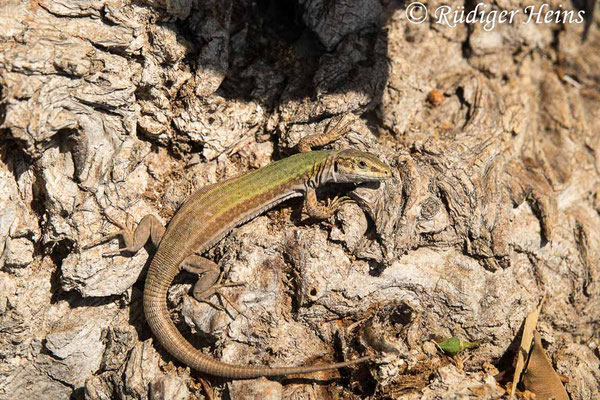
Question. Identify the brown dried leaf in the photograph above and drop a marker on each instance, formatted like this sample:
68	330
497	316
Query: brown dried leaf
528	329
540	377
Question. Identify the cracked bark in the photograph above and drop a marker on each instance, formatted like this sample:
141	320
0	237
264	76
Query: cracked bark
124	108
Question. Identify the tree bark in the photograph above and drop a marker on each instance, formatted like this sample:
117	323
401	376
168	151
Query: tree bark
116	109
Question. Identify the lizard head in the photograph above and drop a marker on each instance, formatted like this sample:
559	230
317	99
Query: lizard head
358	166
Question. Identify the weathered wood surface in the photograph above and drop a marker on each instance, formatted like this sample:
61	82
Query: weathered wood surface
118	107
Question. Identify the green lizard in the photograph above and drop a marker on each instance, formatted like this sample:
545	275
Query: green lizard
213	211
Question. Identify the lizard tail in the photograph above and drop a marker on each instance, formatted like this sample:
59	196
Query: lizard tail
163	270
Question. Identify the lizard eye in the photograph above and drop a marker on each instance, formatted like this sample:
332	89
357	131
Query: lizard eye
362	164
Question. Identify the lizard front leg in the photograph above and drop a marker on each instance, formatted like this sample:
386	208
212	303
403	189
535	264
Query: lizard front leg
320	211
149	228
335	130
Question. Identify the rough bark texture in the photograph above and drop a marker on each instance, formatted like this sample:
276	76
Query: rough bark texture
119	109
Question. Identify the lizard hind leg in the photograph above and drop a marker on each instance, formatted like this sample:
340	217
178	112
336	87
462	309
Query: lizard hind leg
210	281
148	228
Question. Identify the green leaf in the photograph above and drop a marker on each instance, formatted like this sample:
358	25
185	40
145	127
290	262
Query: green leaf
454	345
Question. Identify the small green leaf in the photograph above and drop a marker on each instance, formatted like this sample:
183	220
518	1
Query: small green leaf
454	345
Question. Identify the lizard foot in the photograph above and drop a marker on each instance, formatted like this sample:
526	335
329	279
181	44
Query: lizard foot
202	294
134	238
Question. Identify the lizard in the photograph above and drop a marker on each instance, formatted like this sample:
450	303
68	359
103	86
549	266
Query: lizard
210	213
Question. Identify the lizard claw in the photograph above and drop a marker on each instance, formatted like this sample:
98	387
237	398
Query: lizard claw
125	229
337	202
114	253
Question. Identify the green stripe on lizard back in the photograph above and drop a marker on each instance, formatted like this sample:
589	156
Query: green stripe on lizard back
263	180
217	207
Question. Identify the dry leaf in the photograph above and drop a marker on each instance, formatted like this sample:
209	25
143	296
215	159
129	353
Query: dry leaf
540	377
528	328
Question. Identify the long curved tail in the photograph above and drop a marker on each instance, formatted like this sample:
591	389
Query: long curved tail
163	270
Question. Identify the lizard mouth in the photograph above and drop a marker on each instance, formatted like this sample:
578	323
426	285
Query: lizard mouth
368	184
